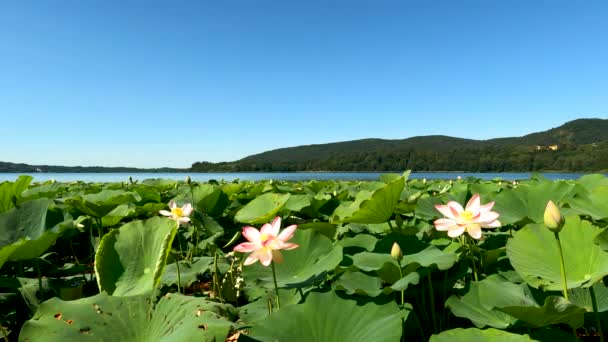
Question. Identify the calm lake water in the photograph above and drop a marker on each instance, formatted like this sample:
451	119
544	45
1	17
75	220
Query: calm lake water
289	176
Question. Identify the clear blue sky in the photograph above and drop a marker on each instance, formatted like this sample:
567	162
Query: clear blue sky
167	83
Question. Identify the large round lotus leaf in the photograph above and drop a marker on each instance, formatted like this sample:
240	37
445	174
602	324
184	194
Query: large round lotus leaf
315	256
325	317
108	318
534	255
30	229
376	207
103	202
262	209
131	260
472	334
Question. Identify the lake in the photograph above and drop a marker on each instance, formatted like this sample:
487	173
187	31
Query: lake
288	176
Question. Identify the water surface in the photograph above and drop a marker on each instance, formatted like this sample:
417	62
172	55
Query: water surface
287	176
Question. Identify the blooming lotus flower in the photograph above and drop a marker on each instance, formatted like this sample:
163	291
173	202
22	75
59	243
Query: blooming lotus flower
180	215
470	219
266	243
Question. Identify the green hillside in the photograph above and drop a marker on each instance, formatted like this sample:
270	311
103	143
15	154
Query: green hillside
579	145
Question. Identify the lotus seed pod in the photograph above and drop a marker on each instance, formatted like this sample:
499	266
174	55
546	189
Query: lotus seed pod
553	218
396	252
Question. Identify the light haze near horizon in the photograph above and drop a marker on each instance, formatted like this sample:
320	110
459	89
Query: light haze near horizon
159	83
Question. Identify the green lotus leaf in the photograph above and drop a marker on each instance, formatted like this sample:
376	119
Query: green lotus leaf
315	256
131	260
470	306
327	317
403	283
431	256
529	200
359	283
118	214
534	255
324	228
593	204
555	310
581	297
376	207
472	334
188	271
363	241
10	192
107	318
49	190
257	310
29	230
262	209
101	203
298	202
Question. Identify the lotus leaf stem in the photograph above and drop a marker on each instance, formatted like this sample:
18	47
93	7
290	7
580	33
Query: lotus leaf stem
276	287
432	298
562	266
596	313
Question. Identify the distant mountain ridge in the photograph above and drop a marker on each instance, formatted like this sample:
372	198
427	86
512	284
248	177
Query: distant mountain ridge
578	145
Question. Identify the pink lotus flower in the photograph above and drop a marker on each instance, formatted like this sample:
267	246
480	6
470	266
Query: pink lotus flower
178	214
267	242
474	217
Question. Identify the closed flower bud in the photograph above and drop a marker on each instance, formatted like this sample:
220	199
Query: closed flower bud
188	180
396	252
553	218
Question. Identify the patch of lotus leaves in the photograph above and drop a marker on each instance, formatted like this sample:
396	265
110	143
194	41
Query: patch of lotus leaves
107	318
27	231
472	334
327	317
528	200
498	303
131	260
534	255
372	207
101	203
313	259
189	271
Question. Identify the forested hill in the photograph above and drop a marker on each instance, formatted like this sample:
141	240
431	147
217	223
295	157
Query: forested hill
579	145
26	168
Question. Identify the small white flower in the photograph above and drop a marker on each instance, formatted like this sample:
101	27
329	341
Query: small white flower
181	215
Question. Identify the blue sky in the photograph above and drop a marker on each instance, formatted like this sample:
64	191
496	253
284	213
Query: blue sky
168	83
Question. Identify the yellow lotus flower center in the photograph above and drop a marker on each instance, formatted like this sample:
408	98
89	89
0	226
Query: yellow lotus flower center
264	237
177	212
466	215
